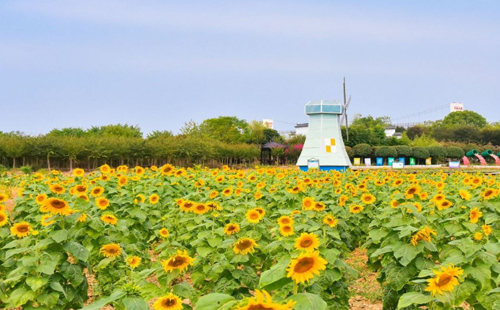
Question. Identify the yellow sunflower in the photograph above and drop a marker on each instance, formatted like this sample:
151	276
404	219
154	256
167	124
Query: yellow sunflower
444	281
307	203
285	220
478	236
253	216
443	204
465	194
21	230
4	218
57	189
303	268
41	198
227	192
231	229
102	203
154	199
286	230
486	229
213	194
167	169
264	301
164	233
123	180
307	242
356	208
187	206
105	169
97	191
213	206
244	246
57	206
368	198
133	261
200	208
475	215
330	220
46	220
109	218
179	261
319	206
82	218
78	172
111	250
489	193
169	302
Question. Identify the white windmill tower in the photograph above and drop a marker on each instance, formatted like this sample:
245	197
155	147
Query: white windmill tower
324	147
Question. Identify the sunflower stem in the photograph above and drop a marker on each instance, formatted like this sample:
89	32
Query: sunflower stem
295	288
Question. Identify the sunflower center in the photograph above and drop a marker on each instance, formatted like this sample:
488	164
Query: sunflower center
254	216
304	265
112	250
169	302
177	261
259	307
244	245
305	242
58	204
444	279
287	228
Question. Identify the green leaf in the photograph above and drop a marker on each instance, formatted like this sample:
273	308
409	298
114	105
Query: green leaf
59	236
98	304
36	282
48	265
204	251
21	296
398	276
48	300
381	251
184	289
135	303
463	291
406	254
413	298
307	301
56	286
275	277
77	250
213	302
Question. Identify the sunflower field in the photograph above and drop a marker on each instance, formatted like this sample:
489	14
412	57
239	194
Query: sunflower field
169	238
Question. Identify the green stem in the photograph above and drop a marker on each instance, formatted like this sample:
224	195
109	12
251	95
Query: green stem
295	288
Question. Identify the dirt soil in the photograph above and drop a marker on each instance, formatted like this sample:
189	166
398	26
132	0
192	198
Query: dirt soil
366	290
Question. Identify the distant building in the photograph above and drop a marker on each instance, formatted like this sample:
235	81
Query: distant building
390	132
456	106
301	129
269	123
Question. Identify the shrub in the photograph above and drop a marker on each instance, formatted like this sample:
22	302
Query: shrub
403	150
454	152
362	150
386	151
420	152
26	169
437	153
349	151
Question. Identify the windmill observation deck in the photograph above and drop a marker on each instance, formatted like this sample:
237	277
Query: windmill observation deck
324	107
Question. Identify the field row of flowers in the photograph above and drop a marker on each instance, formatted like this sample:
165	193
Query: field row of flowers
173	238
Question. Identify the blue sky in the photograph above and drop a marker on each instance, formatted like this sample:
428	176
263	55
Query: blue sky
159	64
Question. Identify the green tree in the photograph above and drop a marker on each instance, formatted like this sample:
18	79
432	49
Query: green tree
227	129
67	132
159	133
14	146
117	130
465	118
363	150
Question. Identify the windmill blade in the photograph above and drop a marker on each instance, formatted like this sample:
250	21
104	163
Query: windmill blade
347	104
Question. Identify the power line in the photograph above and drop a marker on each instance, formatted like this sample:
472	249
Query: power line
421	113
